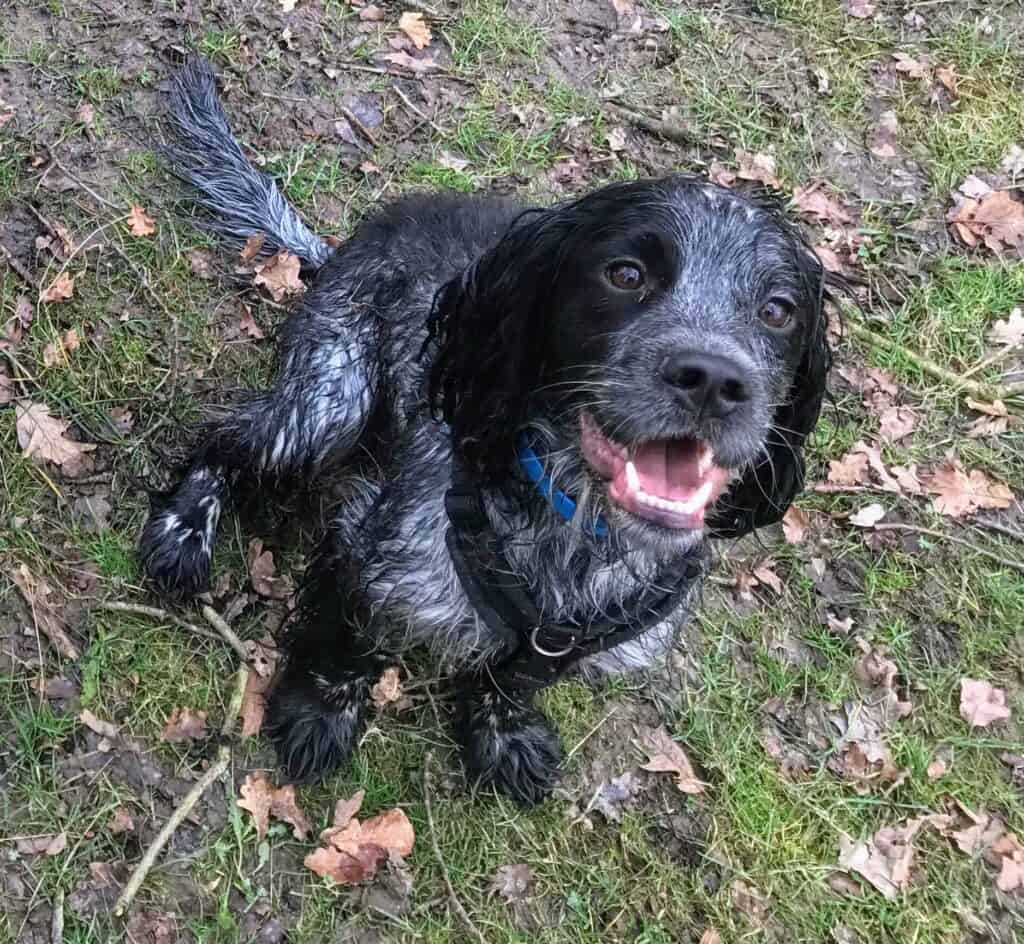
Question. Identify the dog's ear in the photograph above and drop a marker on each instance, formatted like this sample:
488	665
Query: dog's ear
488	326
767	489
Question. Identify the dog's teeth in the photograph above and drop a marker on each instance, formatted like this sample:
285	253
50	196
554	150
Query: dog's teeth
704	459
698	500
632	478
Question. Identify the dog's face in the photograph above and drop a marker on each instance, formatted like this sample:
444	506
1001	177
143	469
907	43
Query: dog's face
674	339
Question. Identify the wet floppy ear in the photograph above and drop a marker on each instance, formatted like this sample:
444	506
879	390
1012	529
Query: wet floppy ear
488	328
767	489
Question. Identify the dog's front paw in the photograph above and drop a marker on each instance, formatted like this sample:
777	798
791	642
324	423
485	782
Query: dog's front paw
315	735
513	749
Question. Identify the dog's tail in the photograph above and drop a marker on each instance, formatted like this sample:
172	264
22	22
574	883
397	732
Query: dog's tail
241	199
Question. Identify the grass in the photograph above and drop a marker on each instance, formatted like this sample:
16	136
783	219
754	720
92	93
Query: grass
675	865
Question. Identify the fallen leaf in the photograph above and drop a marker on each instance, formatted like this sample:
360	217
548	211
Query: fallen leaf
1010	852
766	576
263	800
616	139
46	614
60	290
102	728
860	9
896	422
910	66
812	201
513	882
666	756
85	113
981	703
405	61
56	352
1009	331
884	135
280	276
121	821
247	325
997	220
794	524
371	13
42	436
710	936
958	493
252	246
868	516
842	627
139	224
759	167
184	724
43	845
254	699
387	689
886	859
263	573
936	769
850	470
415	28
353	851
947	77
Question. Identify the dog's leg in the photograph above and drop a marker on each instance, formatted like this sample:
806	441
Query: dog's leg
509	745
317	411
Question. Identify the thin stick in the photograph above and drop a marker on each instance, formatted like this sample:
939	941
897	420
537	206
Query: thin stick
981	391
428	787
1003	529
354	120
17	268
419	114
226	632
942	536
213	772
92	193
137	609
661	129
57	921
586	737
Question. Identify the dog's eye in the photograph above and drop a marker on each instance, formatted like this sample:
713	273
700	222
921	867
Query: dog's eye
626	276
776	314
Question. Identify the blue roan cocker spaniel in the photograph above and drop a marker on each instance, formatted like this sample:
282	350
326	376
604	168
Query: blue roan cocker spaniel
539	416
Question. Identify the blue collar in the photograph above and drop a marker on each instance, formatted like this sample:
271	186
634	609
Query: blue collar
562	503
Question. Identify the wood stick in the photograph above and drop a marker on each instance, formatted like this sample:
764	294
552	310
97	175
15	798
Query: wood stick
137	609
226	632
661	129
942	536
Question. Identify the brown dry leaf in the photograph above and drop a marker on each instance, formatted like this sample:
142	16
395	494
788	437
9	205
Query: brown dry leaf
911	67
184	724
947	77
46	613
710	936
257	683
103	728
43	845
121	821
263	573
247	325
766	576
263	800
405	61
371	13
60	290
280	276
812	201
885	135
56	352
936	769
860	9
139	224
886	859
996	219
353	851
958	493
1010	852
981	703
794	524
850	470
907	480
42	435
513	882
1009	331
415	28
868	516
387	689
252	246
896	422
666	756
758	167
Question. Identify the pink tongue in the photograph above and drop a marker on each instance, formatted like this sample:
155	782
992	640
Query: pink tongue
668	468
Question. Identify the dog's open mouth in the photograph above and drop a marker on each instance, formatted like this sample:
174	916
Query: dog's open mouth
671	482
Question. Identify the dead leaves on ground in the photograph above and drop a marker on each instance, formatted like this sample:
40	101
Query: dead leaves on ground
982	215
139	223
981	704
666	756
263	573
45	610
279	275
59	290
263	800
413	25
353	850
959	493
184	724
43	436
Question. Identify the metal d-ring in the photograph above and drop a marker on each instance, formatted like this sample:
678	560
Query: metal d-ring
546	652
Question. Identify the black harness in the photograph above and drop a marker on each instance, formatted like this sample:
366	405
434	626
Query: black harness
539	651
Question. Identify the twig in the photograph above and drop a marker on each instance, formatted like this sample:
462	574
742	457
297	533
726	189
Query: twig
1003	529
136	609
662	129
57	921
54	161
226	632
17	268
357	123
942	536
586	737
428	788
975	388
989	361
416	111
213	772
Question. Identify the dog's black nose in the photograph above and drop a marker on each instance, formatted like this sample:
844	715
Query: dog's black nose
707	384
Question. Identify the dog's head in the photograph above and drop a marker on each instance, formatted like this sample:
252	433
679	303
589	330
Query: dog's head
671	332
